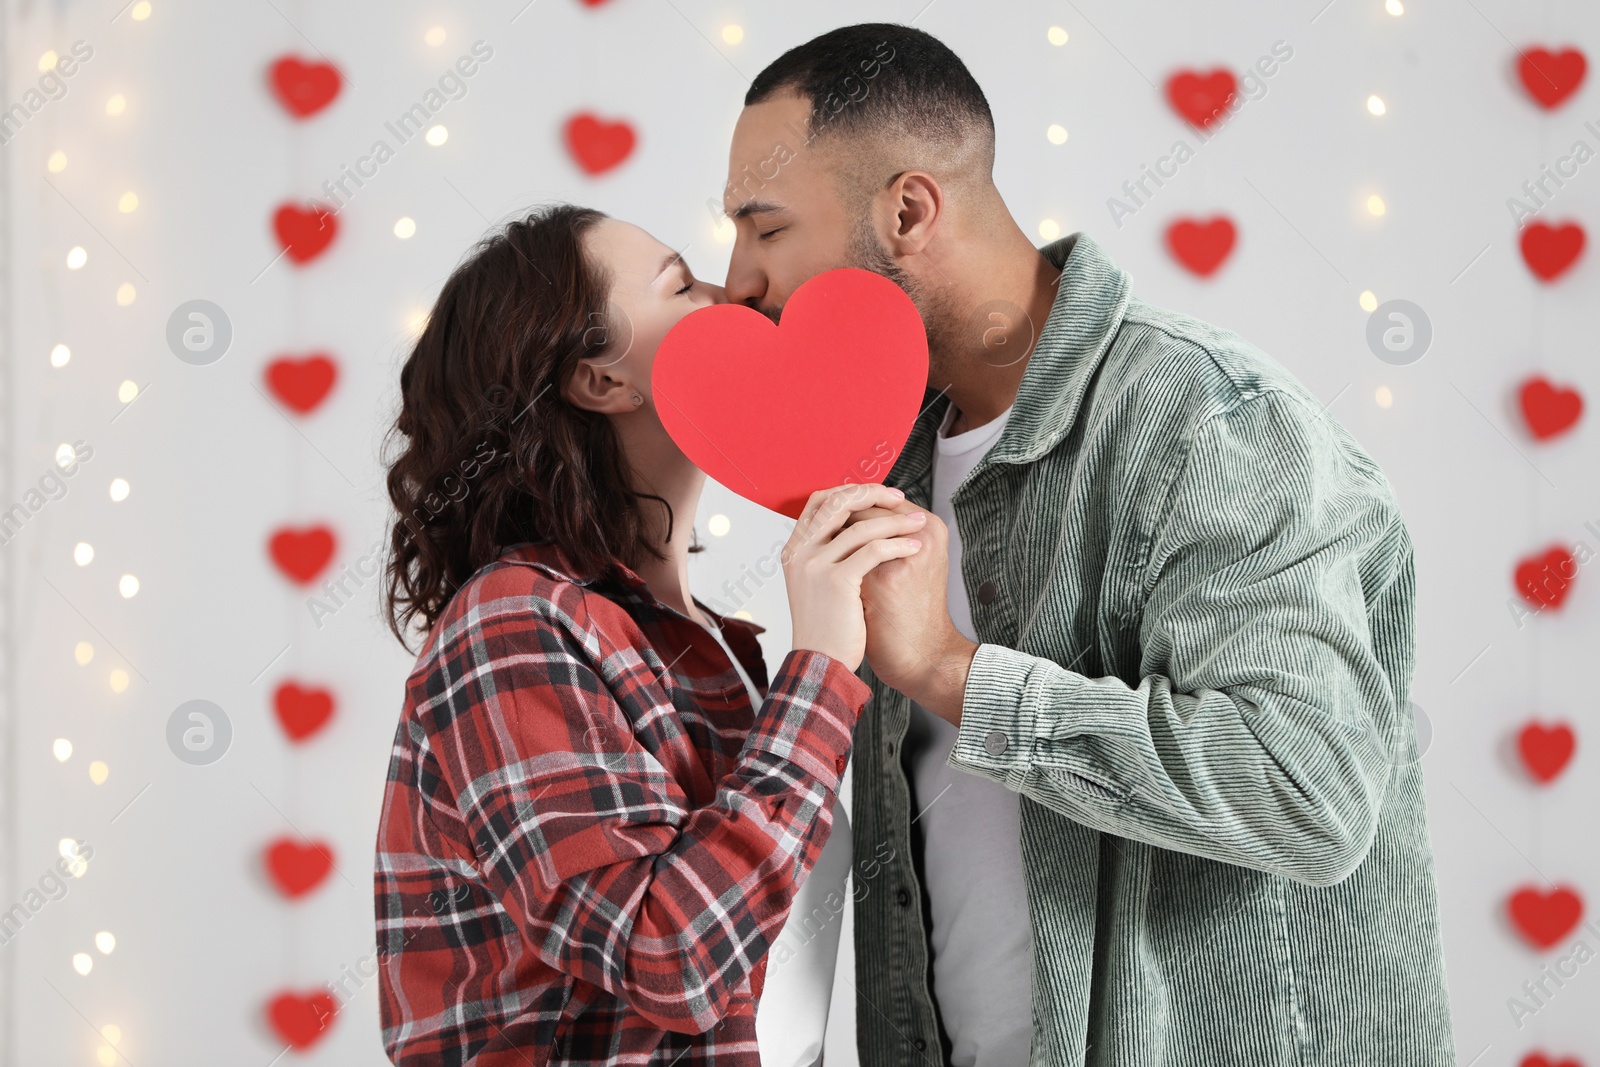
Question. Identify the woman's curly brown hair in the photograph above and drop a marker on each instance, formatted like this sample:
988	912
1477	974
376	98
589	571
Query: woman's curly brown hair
493	454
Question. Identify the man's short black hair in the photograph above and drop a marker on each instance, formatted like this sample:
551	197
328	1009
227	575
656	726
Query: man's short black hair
881	76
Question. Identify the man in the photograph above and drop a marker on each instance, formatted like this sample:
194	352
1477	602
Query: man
1138	783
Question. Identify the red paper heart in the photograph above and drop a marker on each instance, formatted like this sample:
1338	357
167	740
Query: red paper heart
1545	918
302	712
302	383
297	869
1201	98
1537	1059
1551	77
305	232
1546	751
301	554
304	88
1544	581
301	1021
598	146
1549	409
777	412
1550	250
1201	246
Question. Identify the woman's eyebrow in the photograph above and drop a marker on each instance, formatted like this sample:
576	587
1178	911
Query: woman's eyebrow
666	264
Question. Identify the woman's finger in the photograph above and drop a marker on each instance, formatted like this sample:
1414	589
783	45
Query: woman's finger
857	565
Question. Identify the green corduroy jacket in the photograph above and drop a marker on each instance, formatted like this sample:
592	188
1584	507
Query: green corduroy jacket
1194	595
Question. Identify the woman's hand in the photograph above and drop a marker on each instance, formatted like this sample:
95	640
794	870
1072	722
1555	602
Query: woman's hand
825	560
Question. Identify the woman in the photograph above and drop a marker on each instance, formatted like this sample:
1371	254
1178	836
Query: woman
595	824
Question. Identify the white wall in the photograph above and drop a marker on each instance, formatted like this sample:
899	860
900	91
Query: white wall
201	938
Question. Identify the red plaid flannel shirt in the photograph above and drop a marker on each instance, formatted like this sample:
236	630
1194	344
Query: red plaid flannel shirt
589	838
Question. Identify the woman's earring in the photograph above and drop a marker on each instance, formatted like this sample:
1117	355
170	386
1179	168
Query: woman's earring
637	399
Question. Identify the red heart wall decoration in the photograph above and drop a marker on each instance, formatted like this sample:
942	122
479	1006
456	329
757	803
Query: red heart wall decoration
301	554
1550	251
777	412
598	146
1201	247
1550	410
1551	77
305	232
302	1021
1537	1059
1544	581
304	88
302	384
1545	750
1201	98
297	869
302	712
1545	918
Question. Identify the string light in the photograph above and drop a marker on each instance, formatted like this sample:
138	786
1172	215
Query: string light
60	355
67	848
1376	105
83	652
1057	35
141	11
77	256
127	392
127	202
83	553
106	942
116	105
405	227
82	963
128	586
120	490
732	33
125	294
1376	206
99	772
1057	133
719	525
61	749
1395	8
106	1056
48	61
417	322
57	162
436	136
1049	229
64	456
724	230
1384	397
119	681
435	36
1369	301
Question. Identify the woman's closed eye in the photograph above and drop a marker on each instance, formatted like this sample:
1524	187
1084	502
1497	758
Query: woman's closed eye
685	290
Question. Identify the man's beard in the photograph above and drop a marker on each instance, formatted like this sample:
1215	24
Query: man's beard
868	254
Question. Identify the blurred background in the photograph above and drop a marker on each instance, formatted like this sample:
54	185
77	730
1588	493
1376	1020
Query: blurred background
197	689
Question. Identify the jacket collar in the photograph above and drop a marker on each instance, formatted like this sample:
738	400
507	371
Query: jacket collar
1090	302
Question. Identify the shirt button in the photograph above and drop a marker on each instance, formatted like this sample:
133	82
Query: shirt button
987	592
995	743
921	1044
903	898
838	764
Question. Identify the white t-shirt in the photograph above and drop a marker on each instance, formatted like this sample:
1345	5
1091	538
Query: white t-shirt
792	1013
981	941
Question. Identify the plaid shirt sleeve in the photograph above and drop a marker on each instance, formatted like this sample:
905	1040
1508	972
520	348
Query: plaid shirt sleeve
596	853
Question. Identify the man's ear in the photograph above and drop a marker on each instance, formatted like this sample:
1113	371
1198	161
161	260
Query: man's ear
593	387
915	203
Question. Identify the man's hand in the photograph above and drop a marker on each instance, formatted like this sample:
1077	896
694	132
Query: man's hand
912	643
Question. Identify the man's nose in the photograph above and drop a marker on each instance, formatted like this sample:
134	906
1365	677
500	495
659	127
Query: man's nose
746	284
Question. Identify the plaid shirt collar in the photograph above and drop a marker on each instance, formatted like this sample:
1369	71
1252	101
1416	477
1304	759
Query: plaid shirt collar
552	561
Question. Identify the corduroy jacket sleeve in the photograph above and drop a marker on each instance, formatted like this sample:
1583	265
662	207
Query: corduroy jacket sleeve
1257	734
596	853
